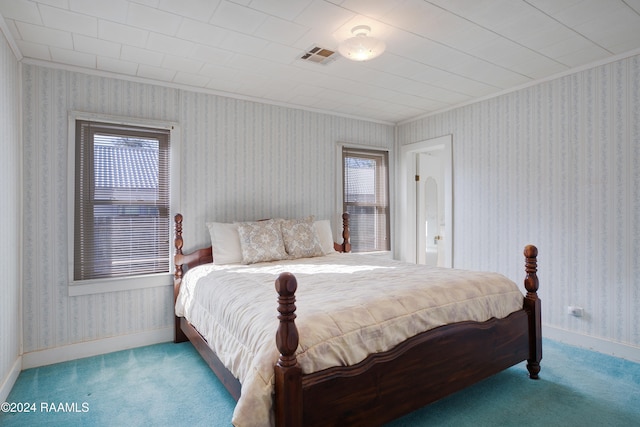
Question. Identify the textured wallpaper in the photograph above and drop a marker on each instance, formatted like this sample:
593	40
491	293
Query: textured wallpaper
556	165
11	211
240	160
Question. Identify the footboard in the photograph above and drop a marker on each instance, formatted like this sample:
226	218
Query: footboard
387	385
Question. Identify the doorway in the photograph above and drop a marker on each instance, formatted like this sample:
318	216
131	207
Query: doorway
426	202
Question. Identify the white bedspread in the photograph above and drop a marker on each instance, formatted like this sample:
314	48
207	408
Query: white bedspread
348	306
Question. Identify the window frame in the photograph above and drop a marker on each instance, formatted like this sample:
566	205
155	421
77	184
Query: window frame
374	152
94	286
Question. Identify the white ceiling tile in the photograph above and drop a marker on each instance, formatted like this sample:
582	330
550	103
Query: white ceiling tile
218	73
93	45
564	50
325	16
279	53
142	56
237	17
22	10
69	21
553	7
163	43
298	97
152	19
182	64
439	52
583	56
634	4
34	50
625	46
211	54
286	9
510	55
468	38
547	36
464	85
584	11
38	34
196	80
156	73
150	3
61	4
280	31
616	27
397	65
201	32
375	9
121	33
72	57
112	10
116	66
244	44
489	74
201	10
315	37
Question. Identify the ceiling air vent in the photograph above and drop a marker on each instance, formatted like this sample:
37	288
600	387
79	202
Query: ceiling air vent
319	55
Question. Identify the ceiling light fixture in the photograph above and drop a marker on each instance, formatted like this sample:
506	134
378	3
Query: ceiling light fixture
361	47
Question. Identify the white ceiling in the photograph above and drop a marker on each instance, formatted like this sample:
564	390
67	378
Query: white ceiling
440	53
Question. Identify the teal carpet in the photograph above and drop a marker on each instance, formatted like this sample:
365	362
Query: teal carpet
170	385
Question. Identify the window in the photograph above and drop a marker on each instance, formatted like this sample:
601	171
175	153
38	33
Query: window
121	222
366	198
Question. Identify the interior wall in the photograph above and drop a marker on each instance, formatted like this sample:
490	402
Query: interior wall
240	160
556	165
10	259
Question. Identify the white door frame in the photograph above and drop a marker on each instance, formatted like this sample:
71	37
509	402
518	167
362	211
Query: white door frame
406	202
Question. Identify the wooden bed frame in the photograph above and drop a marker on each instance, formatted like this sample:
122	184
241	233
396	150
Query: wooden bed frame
384	386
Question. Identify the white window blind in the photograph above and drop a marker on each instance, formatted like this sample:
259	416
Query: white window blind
366	198
121	223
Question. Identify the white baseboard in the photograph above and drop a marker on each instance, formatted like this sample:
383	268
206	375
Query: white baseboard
94	348
10	379
592	343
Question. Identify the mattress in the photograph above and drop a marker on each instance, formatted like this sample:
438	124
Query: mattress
348	306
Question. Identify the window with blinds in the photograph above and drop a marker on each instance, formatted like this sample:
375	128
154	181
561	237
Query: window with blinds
366	198
121	223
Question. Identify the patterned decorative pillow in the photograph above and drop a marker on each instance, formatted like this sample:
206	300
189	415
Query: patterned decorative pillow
301	238
261	241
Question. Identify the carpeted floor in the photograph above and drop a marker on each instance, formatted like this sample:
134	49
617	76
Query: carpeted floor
170	385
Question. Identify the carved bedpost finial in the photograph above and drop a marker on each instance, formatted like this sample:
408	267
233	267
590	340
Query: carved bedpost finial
531	267
288	375
346	233
178	244
287	335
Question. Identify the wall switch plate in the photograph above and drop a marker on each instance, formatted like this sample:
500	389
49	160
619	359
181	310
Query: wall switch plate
575	311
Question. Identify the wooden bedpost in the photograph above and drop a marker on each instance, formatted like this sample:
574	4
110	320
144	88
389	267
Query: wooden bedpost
178	334
345	246
532	306
288	375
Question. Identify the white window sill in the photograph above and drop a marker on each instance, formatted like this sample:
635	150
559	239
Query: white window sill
98	286
381	254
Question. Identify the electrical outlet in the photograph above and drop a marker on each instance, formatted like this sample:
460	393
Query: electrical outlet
575	311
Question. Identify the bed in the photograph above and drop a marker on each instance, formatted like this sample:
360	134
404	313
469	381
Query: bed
309	383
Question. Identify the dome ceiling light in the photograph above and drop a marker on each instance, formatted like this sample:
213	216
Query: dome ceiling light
361	47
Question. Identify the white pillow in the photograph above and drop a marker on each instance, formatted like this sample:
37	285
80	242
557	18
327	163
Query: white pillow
261	241
301	238
225	243
325	235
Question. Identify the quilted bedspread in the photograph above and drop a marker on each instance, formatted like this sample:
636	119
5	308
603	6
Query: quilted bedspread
348	306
